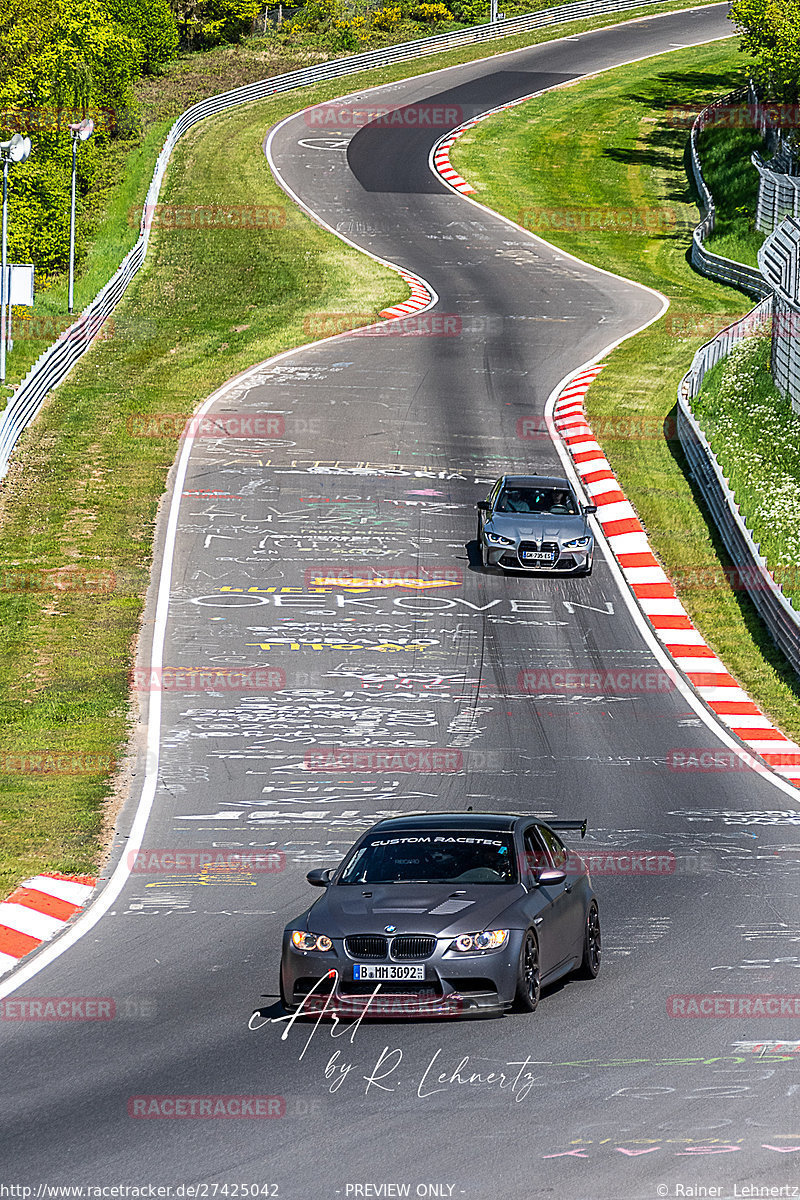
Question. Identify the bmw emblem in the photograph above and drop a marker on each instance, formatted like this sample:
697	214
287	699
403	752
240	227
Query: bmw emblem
389	928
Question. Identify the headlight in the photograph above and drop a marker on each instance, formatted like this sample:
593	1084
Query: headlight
581	541
490	939
310	941
497	539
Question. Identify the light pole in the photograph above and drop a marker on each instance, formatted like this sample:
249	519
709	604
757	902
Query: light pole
80	132
14	151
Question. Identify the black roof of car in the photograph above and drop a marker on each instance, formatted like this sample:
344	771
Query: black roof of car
503	822
541	481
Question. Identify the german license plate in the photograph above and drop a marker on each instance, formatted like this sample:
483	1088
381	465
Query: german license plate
387	974
538	556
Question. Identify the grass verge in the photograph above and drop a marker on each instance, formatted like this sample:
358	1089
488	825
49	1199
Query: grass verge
733	180
609	141
81	497
756	438
80	501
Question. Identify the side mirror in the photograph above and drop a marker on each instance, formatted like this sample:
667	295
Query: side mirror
483	506
320	876
589	508
550	878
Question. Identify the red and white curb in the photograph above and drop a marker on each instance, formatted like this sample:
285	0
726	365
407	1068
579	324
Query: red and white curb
421	296
656	596
37	910
442	164
439	160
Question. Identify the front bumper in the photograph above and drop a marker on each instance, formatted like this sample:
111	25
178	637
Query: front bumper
467	985
566	562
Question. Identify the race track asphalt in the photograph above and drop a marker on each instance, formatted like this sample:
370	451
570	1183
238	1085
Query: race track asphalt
376	450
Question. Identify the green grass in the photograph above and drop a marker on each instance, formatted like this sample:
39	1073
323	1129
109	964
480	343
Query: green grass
756	437
733	180
611	142
82	494
83	491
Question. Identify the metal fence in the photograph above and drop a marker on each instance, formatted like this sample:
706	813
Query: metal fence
779	187
779	260
715	266
775	609
778	191
55	363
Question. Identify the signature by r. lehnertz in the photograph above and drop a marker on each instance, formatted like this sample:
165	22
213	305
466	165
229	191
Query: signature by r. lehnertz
516	1077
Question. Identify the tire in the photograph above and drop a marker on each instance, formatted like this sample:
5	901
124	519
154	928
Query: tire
526	996
482	549
592	945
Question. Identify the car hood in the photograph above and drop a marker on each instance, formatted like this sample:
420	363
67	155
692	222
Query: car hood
538	525
441	909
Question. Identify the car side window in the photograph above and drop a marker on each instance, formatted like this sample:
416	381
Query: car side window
535	857
555	848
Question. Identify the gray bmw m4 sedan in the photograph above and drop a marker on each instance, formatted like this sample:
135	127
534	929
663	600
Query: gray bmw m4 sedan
445	914
535	523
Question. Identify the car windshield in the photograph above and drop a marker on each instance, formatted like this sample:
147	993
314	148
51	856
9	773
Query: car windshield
433	856
536	500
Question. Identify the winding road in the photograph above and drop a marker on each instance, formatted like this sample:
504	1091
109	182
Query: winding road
374	450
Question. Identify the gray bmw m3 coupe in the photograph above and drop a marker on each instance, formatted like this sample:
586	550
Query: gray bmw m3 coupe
446	914
535	523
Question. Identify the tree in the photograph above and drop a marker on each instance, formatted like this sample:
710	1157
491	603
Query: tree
770	32
204	23
151	22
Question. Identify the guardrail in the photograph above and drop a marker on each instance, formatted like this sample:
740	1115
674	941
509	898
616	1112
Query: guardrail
779	260
715	266
778	193
56	362
775	609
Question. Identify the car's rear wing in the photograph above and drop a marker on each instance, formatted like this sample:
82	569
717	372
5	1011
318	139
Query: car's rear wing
569	825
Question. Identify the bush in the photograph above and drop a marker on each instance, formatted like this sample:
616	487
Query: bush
387	18
431	14
206	23
60	61
343	37
470	12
